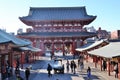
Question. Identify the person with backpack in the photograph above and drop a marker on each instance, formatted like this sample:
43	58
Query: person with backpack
49	69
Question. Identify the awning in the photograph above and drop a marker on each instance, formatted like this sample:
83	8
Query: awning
91	45
108	51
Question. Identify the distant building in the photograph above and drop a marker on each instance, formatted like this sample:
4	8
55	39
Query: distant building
57	27
102	34
115	34
91	29
19	31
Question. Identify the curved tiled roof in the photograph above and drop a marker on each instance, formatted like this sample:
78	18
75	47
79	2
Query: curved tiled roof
89	46
59	34
5	37
57	13
108	51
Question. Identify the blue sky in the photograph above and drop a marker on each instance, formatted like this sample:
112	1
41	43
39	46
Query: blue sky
107	12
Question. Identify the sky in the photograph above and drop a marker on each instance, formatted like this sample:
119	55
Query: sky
107	12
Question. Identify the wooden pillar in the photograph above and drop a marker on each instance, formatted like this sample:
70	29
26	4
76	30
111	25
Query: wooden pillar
109	67
119	69
95	61
22	59
9	58
100	63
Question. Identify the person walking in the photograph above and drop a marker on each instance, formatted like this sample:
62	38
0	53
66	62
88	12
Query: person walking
89	73
81	66
71	66
74	67
27	73
49	69
104	65
116	70
67	66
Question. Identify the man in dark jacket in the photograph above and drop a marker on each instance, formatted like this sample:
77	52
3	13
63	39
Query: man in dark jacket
27	73
49	69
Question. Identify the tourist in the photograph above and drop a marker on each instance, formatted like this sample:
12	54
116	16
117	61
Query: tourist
74	67
27	73
49	69
71	66
104	65
67	66
78	62
81	66
17	71
89	73
116	70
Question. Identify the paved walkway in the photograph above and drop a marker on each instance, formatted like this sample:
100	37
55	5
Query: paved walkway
39	71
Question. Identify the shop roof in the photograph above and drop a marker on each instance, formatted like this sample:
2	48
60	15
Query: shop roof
91	45
6	37
108	51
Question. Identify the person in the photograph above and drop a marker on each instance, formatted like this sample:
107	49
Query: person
9	70
17	71
71	66
104	65
27	73
67	65
89	73
116	70
49	69
81	66
74	67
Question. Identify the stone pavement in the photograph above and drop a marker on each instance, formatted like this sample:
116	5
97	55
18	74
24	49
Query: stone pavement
39	72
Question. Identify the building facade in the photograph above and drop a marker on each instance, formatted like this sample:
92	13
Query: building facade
115	34
57	28
103	34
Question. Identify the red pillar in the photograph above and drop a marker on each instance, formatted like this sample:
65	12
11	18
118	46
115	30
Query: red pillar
22	58
109	67
119	70
100	63
10	58
95	61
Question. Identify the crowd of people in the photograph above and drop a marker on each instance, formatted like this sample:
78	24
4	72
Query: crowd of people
71	67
